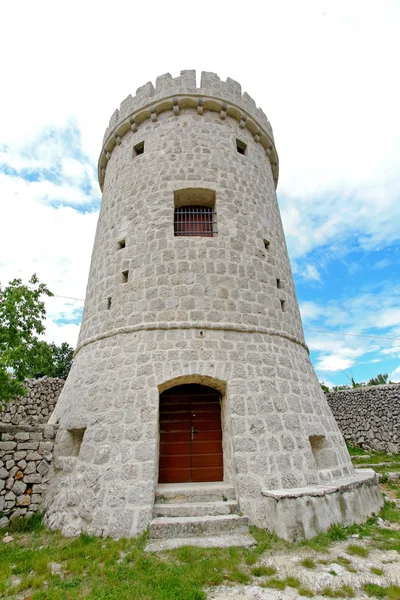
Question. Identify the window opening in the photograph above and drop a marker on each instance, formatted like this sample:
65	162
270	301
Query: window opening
121	244
283	305
266	244
138	149
108	303
125	275
195	212
194	220
241	147
278	284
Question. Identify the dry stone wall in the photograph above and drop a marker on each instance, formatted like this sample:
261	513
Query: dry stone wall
37	406
26	455
369	416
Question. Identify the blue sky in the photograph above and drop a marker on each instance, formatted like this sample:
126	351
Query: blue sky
325	74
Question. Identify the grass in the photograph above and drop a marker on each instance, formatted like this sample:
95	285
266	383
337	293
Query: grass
263	571
308	563
391	592
104	569
343	592
356	550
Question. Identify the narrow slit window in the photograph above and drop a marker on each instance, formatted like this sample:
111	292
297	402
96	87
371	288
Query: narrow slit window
121	244
138	149
241	147
125	275
279	284
109	300
283	305
266	244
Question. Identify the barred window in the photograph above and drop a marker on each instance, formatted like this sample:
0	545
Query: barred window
194	220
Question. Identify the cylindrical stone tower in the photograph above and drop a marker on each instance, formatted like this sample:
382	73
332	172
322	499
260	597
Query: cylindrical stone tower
191	364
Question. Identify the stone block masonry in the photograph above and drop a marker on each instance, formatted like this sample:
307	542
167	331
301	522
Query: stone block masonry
37	406
171	304
25	467
369	416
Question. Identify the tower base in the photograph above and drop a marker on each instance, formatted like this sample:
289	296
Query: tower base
299	513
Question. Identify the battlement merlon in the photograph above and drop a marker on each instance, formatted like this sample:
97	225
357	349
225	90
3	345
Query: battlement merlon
150	99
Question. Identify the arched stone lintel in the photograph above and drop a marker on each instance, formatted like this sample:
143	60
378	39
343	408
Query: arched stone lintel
217	384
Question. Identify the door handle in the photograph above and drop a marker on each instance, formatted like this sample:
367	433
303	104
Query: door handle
192	432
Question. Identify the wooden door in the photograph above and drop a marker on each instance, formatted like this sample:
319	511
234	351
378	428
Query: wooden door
190	435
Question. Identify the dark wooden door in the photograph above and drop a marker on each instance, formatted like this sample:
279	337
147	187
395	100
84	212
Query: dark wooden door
190	435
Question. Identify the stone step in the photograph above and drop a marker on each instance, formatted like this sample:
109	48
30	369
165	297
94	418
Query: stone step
216	541
194	527
177	493
195	509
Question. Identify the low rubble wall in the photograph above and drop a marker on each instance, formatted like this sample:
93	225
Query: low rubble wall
26	454
369	416
37	406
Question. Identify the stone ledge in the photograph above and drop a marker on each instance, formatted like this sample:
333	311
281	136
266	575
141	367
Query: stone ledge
49	431
298	513
365	476
166	325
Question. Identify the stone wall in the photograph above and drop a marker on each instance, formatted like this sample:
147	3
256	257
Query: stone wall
369	416
26	455
37	406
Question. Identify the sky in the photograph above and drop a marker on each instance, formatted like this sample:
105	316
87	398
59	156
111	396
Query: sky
326	74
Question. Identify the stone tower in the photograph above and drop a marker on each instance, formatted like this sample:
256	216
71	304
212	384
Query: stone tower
191	364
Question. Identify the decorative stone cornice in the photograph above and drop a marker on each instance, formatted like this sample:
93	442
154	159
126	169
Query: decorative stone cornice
223	97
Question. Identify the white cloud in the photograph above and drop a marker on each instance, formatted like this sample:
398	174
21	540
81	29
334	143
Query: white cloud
395	376
311	273
333	363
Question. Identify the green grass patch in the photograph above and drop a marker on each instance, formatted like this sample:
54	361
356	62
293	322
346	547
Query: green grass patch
308	563
263	571
305	592
293	582
343	592
391	592
357	550
277	584
342	560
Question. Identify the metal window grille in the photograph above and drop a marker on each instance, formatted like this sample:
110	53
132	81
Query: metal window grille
195	220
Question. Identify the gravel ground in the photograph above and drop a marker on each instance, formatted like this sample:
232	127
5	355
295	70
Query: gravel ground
331	575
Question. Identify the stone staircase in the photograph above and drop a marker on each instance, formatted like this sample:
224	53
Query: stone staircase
197	514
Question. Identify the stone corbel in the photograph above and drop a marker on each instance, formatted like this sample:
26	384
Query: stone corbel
175	104
257	137
200	107
117	139
133	125
108	155
153	113
223	111
242	123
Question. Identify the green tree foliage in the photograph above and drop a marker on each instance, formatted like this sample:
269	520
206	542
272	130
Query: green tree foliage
22	353
56	361
381	379
22	312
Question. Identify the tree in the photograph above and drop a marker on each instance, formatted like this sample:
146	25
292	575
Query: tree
62	359
381	379
22	312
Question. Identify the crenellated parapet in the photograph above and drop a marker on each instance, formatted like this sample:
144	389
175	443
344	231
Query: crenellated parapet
178	93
